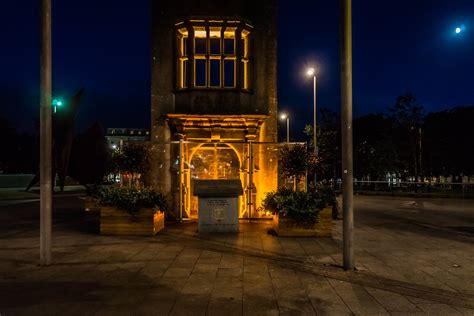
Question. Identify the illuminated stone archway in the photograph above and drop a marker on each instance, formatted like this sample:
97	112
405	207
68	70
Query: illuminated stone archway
212	161
239	138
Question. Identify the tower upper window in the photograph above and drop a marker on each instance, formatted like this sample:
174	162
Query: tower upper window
213	54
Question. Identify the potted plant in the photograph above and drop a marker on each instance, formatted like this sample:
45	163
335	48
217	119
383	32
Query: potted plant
296	212
131	211
301	213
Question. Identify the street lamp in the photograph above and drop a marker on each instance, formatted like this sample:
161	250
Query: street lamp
346	132
57	103
283	117
311	72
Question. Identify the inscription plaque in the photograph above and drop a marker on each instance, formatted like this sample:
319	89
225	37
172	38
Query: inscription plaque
218	205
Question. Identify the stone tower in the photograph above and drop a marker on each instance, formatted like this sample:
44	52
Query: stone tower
214	98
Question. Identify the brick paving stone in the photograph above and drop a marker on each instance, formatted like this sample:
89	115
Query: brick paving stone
174	272
226	307
209	259
259	305
357	298
205	268
393	302
198	284
277	272
229	272
154	307
173	285
161	292
181	272
231	261
295	306
229	282
438	309
191	305
323	297
226	299
464	311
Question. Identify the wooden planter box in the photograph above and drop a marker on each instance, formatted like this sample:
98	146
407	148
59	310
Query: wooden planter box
288	227
91	204
146	222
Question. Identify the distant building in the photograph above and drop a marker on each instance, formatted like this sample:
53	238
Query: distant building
214	98
116	137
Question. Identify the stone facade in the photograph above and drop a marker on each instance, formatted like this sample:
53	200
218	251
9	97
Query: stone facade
206	117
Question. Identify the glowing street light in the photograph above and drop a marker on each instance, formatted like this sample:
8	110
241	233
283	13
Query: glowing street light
311	72
458	30
57	103
283	117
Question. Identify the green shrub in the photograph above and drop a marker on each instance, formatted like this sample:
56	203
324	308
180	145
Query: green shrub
132	199
301	206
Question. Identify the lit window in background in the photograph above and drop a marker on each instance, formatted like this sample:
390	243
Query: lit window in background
214	54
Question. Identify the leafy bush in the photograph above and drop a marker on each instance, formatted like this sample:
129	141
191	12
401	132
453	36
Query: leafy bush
131	162
132	199
133	158
296	160
301	206
327	194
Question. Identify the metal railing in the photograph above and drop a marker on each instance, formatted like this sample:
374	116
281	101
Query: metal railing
427	189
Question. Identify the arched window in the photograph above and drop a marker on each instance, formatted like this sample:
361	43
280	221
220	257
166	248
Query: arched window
213	54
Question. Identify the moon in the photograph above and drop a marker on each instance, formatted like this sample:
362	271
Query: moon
458	30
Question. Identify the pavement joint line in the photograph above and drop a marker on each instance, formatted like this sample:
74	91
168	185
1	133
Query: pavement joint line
437	227
357	277
36	199
444	229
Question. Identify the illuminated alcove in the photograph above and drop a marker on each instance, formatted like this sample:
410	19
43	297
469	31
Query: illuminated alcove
212	161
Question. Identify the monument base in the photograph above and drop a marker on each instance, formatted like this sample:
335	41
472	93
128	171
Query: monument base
218	215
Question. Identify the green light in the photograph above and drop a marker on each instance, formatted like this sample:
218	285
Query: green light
57	103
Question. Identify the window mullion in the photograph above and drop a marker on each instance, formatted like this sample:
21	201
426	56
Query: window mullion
237	63
208	60
192	60
222	57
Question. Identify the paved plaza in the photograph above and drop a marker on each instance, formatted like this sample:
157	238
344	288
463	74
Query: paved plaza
413	257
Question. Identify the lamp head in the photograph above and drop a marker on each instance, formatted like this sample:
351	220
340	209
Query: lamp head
311	71
283	116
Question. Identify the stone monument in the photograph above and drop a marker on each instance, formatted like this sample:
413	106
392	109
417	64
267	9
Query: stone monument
218	205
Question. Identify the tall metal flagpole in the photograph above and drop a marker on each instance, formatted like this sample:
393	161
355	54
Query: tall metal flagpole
45	135
347	152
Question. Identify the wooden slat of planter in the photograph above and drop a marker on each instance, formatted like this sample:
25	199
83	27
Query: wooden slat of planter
288	228
119	222
91	204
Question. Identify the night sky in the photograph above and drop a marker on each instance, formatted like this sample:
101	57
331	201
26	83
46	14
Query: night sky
103	46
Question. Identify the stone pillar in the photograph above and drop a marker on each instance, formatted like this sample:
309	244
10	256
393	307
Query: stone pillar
162	100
